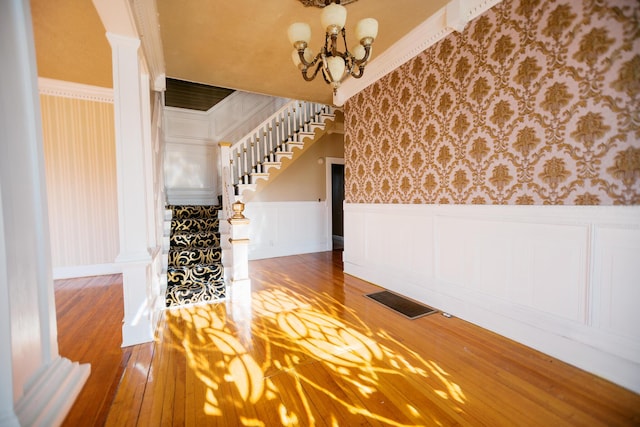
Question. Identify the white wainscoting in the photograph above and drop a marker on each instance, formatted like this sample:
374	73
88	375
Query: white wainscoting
561	279
286	228
191	173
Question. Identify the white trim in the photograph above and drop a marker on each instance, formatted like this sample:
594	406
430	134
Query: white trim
146	16
452	17
329	161
51	395
117	17
69	272
72	90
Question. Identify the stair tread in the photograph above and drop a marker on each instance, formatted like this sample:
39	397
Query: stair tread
213	265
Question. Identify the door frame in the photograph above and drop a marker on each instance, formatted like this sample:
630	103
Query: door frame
329	161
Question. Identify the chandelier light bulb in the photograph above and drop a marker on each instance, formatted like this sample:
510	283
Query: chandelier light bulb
358	51
336	67
299	32
333	18
367	29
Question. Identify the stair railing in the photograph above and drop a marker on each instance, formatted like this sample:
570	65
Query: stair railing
250	155
260	146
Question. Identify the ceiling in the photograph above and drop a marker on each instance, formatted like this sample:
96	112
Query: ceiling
235	44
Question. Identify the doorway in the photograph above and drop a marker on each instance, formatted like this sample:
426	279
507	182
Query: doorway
335	202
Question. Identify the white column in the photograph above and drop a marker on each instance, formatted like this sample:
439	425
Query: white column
37	386
131	100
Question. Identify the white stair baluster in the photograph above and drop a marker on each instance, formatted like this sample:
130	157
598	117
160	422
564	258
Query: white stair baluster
238	166
262	148
256	153
246	163
274	134
267	143
252	156
283	125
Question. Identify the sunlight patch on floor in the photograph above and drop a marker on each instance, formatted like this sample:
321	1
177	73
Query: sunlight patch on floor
300	349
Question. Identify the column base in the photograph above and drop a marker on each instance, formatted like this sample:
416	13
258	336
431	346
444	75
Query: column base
51	394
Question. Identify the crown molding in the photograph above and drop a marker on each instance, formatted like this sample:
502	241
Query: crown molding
65	89
146	17
452	17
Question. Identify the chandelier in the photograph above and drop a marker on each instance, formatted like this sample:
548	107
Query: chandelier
335	65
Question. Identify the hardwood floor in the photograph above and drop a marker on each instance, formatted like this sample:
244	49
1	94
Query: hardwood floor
304	347
89	314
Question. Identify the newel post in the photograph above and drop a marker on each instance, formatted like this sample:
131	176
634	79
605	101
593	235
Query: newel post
239	239
234	226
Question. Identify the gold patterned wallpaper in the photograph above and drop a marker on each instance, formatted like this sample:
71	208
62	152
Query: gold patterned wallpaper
535	102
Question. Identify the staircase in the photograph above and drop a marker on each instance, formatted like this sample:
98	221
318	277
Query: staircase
260	155
194	272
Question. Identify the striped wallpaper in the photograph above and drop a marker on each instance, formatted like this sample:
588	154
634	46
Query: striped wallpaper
79	149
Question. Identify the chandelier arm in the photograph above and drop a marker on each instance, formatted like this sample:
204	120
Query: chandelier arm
334	44
365	58
315	73
344	40
353	74
304	61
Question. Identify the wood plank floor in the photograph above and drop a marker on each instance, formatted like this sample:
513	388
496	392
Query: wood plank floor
304	347
89	314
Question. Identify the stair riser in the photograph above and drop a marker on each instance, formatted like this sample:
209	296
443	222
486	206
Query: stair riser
194	225
188	292
187	211
195	240
193	257
200	274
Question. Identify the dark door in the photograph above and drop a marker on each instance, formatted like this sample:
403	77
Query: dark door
337	198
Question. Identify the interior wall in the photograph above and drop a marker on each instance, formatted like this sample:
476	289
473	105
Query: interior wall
305	178
533	103
191	161
79	148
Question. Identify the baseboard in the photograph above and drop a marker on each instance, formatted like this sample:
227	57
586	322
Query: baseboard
48	399
274	252
85	270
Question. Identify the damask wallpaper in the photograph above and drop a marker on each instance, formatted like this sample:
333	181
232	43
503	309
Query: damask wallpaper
535	102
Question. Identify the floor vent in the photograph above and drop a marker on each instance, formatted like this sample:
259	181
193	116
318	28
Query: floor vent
408	308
